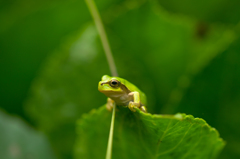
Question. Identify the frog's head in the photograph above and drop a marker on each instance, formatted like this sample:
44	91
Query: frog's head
110	85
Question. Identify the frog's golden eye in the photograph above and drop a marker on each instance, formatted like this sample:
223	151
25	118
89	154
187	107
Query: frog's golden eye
114	83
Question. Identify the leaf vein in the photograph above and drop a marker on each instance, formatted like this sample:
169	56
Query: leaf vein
194	145
177	144
162	137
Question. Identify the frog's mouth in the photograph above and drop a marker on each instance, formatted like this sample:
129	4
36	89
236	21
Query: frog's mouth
102	83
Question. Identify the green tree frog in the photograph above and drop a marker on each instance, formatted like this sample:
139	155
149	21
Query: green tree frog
122	92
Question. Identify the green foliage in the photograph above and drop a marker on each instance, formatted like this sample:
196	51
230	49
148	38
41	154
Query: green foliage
67	82
185	59
141	135
67	79
223	87
19	141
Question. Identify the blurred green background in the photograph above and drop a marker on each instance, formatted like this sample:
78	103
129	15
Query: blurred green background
185	55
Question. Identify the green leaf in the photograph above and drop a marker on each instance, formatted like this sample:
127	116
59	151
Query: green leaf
140	135
216	98
19	141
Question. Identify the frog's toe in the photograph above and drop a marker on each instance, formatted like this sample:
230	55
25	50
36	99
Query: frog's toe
143	109
109	107
132	106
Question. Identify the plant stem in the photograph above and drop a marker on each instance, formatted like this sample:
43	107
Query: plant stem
110	138
98	22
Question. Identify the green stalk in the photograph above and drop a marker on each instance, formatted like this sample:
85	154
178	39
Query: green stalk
98	22
110	138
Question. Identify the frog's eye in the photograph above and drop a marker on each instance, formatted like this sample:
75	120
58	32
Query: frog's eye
114	83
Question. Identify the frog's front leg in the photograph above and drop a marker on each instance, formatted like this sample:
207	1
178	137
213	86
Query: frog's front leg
136	101
109	104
